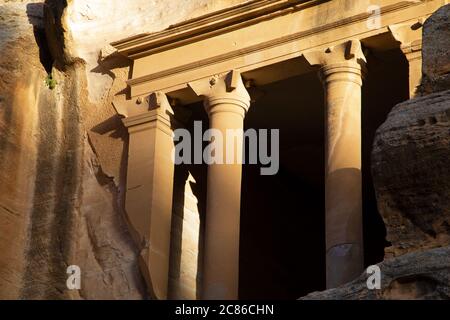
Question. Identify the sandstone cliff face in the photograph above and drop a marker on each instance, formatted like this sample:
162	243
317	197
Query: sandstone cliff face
411	172
16	185
63	151
56	206
436	68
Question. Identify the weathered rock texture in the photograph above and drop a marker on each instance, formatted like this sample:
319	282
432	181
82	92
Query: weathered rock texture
57	208
411	172
410	166
411	153
436	67
422	275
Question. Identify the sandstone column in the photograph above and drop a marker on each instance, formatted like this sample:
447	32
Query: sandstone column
226	100
410	37
341	68
149	185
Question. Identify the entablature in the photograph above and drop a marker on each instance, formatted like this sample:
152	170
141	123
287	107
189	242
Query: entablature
256	35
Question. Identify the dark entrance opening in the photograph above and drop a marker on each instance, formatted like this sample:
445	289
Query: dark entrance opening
385	85
282	216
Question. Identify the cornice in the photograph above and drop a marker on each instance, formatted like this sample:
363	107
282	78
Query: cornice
209	25
268	44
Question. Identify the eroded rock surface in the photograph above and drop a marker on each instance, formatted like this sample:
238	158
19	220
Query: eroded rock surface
422	275
436	67
410	167
411	153
57	208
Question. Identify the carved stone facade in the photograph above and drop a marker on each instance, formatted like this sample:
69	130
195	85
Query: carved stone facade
86	148
250	43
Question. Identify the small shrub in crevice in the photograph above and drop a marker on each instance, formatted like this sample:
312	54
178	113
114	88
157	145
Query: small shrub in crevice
50	82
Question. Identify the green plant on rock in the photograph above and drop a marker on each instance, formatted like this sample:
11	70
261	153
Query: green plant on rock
50	82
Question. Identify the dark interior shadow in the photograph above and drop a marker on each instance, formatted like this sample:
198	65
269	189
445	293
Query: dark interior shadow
385	85
282	216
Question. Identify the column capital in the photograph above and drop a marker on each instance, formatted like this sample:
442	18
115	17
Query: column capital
348	53
409	35
222	92
143	110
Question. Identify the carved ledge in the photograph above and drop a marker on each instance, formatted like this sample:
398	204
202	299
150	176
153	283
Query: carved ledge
225	88
409	35
349	51
145	110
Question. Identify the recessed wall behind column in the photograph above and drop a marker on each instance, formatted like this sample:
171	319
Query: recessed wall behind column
385	85
188	212
282	249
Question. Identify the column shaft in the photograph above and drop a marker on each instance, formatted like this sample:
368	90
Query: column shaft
343	196
414	57
226	102
221	264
